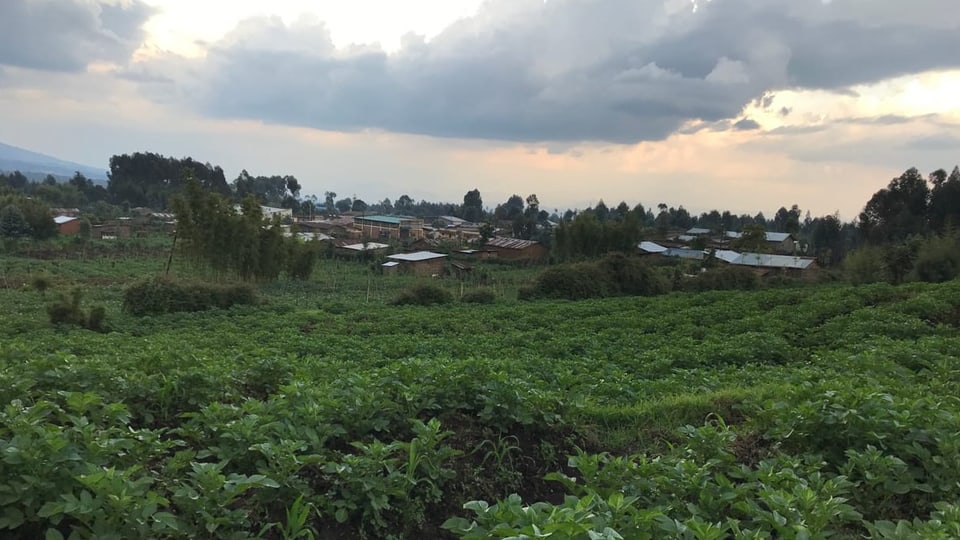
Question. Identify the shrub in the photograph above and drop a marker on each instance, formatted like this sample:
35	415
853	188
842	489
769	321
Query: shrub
573	282
424	295
41	283
161	295
479	296
67	311
938	260
865	265
614	275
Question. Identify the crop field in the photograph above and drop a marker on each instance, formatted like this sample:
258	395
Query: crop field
824	411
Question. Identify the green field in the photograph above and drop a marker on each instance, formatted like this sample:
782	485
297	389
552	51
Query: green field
810	412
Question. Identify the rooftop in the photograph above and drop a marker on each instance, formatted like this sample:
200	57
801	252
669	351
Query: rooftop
773	261
365	247
416	256
60	220
652	247
393	220
510	243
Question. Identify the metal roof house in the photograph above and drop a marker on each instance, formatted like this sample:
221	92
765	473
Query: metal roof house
516	249
420	263
781	242
382	227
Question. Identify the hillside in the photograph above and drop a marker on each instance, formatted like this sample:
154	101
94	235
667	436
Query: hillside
34	164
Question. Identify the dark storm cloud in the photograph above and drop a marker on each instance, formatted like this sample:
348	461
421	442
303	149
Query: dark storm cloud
67	35
570	70
746	125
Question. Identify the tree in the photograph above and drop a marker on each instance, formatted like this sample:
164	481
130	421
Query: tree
944	210
472	209
404	204
13	224
358	206
897	211
329	198
344	205
753	239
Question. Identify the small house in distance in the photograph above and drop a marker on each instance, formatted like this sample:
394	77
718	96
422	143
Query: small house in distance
778	242
514	249
67	224
419	263
383	227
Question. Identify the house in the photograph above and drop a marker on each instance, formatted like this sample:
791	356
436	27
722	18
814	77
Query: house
481	254
698	231
383	227
654	249
765	263
390	267
338	228
420	263
514	249
362	247
67	224
70	212
111	230
450	222
778	242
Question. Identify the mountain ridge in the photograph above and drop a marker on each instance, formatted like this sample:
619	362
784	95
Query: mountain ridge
33	164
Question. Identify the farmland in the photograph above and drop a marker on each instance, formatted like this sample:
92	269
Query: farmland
808	412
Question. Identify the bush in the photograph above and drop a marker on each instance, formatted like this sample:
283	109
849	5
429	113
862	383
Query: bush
938	260
67	311
479	296
614	275
162	295
865	265
424	295
573	282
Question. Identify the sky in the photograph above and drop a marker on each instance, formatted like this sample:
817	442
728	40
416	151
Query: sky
741	105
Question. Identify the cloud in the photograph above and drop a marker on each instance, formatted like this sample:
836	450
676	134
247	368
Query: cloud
68	35
618	71
938	142
746	125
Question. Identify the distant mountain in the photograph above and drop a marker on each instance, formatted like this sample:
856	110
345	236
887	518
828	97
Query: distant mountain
35	165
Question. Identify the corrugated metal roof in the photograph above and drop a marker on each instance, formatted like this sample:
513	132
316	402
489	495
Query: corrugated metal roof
393	220
764	260
390	264
771	236
685	253
652	247
366	247
686	238
510	243
60	220
726	255
698	231
416	256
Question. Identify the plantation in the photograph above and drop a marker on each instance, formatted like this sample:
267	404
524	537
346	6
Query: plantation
322	410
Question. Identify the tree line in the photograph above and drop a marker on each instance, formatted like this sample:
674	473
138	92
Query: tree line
910	206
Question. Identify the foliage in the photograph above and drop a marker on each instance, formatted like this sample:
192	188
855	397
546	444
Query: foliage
152	180
66	310
808	412
423	295
865	265
614	275
938	259
479	296
160	295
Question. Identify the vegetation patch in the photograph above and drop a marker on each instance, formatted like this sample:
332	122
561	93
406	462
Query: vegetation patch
424	295
159	295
